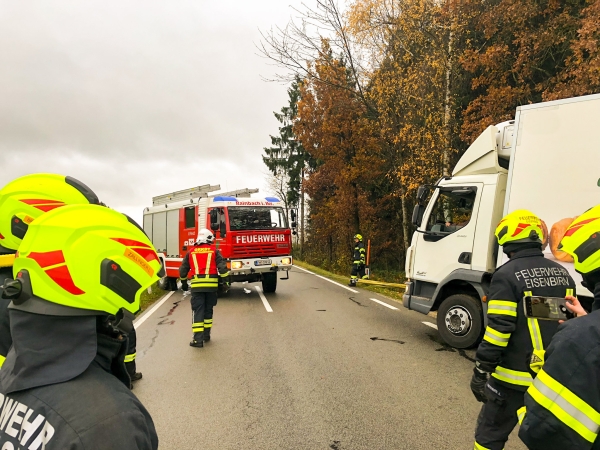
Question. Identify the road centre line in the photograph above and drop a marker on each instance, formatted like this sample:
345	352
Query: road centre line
140	320
383	303
327	279
263	298
429	324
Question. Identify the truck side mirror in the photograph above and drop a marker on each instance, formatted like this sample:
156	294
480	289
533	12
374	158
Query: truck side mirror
294	224
293	215
417	216
422	193
214	219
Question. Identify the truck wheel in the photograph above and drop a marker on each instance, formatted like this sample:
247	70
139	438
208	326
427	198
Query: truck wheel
460	321
269	282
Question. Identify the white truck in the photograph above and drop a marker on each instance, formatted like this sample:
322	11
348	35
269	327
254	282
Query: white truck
547	161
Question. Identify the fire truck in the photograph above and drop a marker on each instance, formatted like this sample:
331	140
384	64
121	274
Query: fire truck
252	234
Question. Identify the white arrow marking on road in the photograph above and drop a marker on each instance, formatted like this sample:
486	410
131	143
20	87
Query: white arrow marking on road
140	320
429	324
264	299
383	303
327	279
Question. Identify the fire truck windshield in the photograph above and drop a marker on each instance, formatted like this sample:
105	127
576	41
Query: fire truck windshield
256	218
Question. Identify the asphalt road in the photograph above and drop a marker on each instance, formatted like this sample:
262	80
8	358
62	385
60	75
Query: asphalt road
326	369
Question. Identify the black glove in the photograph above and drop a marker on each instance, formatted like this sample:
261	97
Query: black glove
478	383
184	285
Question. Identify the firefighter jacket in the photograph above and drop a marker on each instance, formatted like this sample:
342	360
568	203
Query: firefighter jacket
562	407
54	397
202	265
513	346
359	253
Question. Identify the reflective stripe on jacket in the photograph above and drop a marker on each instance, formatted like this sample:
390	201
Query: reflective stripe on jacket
513	346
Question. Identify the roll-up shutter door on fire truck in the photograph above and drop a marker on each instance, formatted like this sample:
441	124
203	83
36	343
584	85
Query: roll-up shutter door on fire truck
173	233
160	231
148	225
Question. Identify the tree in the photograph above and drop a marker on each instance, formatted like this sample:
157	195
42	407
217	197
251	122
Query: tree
286	159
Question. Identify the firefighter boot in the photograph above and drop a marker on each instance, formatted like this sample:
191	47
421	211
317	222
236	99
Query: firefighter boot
352	281
195	343
206	336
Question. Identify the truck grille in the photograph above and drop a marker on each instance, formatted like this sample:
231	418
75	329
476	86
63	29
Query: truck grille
258	250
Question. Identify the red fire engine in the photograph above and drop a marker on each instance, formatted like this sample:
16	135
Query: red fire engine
252	233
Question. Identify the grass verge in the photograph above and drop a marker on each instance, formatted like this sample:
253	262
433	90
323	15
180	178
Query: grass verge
148	298
393	293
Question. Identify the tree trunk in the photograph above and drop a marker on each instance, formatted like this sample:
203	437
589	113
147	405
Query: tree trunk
302	214
405	224
447	103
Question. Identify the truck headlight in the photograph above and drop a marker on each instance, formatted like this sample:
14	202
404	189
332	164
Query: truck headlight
286	261
236	264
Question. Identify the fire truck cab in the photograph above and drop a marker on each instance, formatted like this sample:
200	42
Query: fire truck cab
252	234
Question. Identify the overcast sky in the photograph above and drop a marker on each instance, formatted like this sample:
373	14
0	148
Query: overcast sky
138	98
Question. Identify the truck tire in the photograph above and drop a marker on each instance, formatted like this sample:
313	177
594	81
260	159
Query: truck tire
269	282
460	321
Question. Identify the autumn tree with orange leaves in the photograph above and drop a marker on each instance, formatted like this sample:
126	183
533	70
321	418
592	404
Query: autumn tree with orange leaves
394	91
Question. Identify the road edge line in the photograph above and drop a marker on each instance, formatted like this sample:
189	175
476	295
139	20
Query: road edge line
429	324
327	279
383	303
263	298
140	320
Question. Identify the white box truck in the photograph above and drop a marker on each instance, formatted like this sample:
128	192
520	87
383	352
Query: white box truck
547	161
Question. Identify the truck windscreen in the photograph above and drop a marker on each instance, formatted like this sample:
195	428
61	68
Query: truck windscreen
256	218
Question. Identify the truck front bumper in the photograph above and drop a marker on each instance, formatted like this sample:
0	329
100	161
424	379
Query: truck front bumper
260	265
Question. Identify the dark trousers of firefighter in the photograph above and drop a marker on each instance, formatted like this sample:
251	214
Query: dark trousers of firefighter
498	417
358	270
202	313
131	352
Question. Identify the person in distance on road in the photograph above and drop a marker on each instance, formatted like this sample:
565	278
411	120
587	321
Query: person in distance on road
562	407
512	350
203	264
358	260
21	201
79	275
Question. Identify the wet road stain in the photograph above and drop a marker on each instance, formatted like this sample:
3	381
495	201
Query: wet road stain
335	445
446	348
388	340
357	302
165	319
321	310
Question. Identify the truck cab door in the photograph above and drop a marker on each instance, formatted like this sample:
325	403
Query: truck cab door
444	241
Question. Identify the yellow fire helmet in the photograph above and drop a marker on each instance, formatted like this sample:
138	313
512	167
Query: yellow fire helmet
582	241
87	258
358	236
28	197
519	227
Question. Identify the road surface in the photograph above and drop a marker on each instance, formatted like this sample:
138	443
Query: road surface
313	366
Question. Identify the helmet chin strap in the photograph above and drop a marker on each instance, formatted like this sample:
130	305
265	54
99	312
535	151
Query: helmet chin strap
122	322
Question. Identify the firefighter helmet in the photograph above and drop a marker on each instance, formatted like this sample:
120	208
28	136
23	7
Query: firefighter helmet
205	236
88	258
519	227
582	241
358	236
28	197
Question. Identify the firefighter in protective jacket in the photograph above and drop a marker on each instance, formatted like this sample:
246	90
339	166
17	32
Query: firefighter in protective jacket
358	260
203	264
21	201
512	350
79	275
562	406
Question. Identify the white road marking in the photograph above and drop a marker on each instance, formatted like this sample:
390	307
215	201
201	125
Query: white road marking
429	324
263	298
383	303
327	279
140	320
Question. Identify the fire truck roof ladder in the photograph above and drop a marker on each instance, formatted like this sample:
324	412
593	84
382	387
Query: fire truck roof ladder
240	193
186	194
